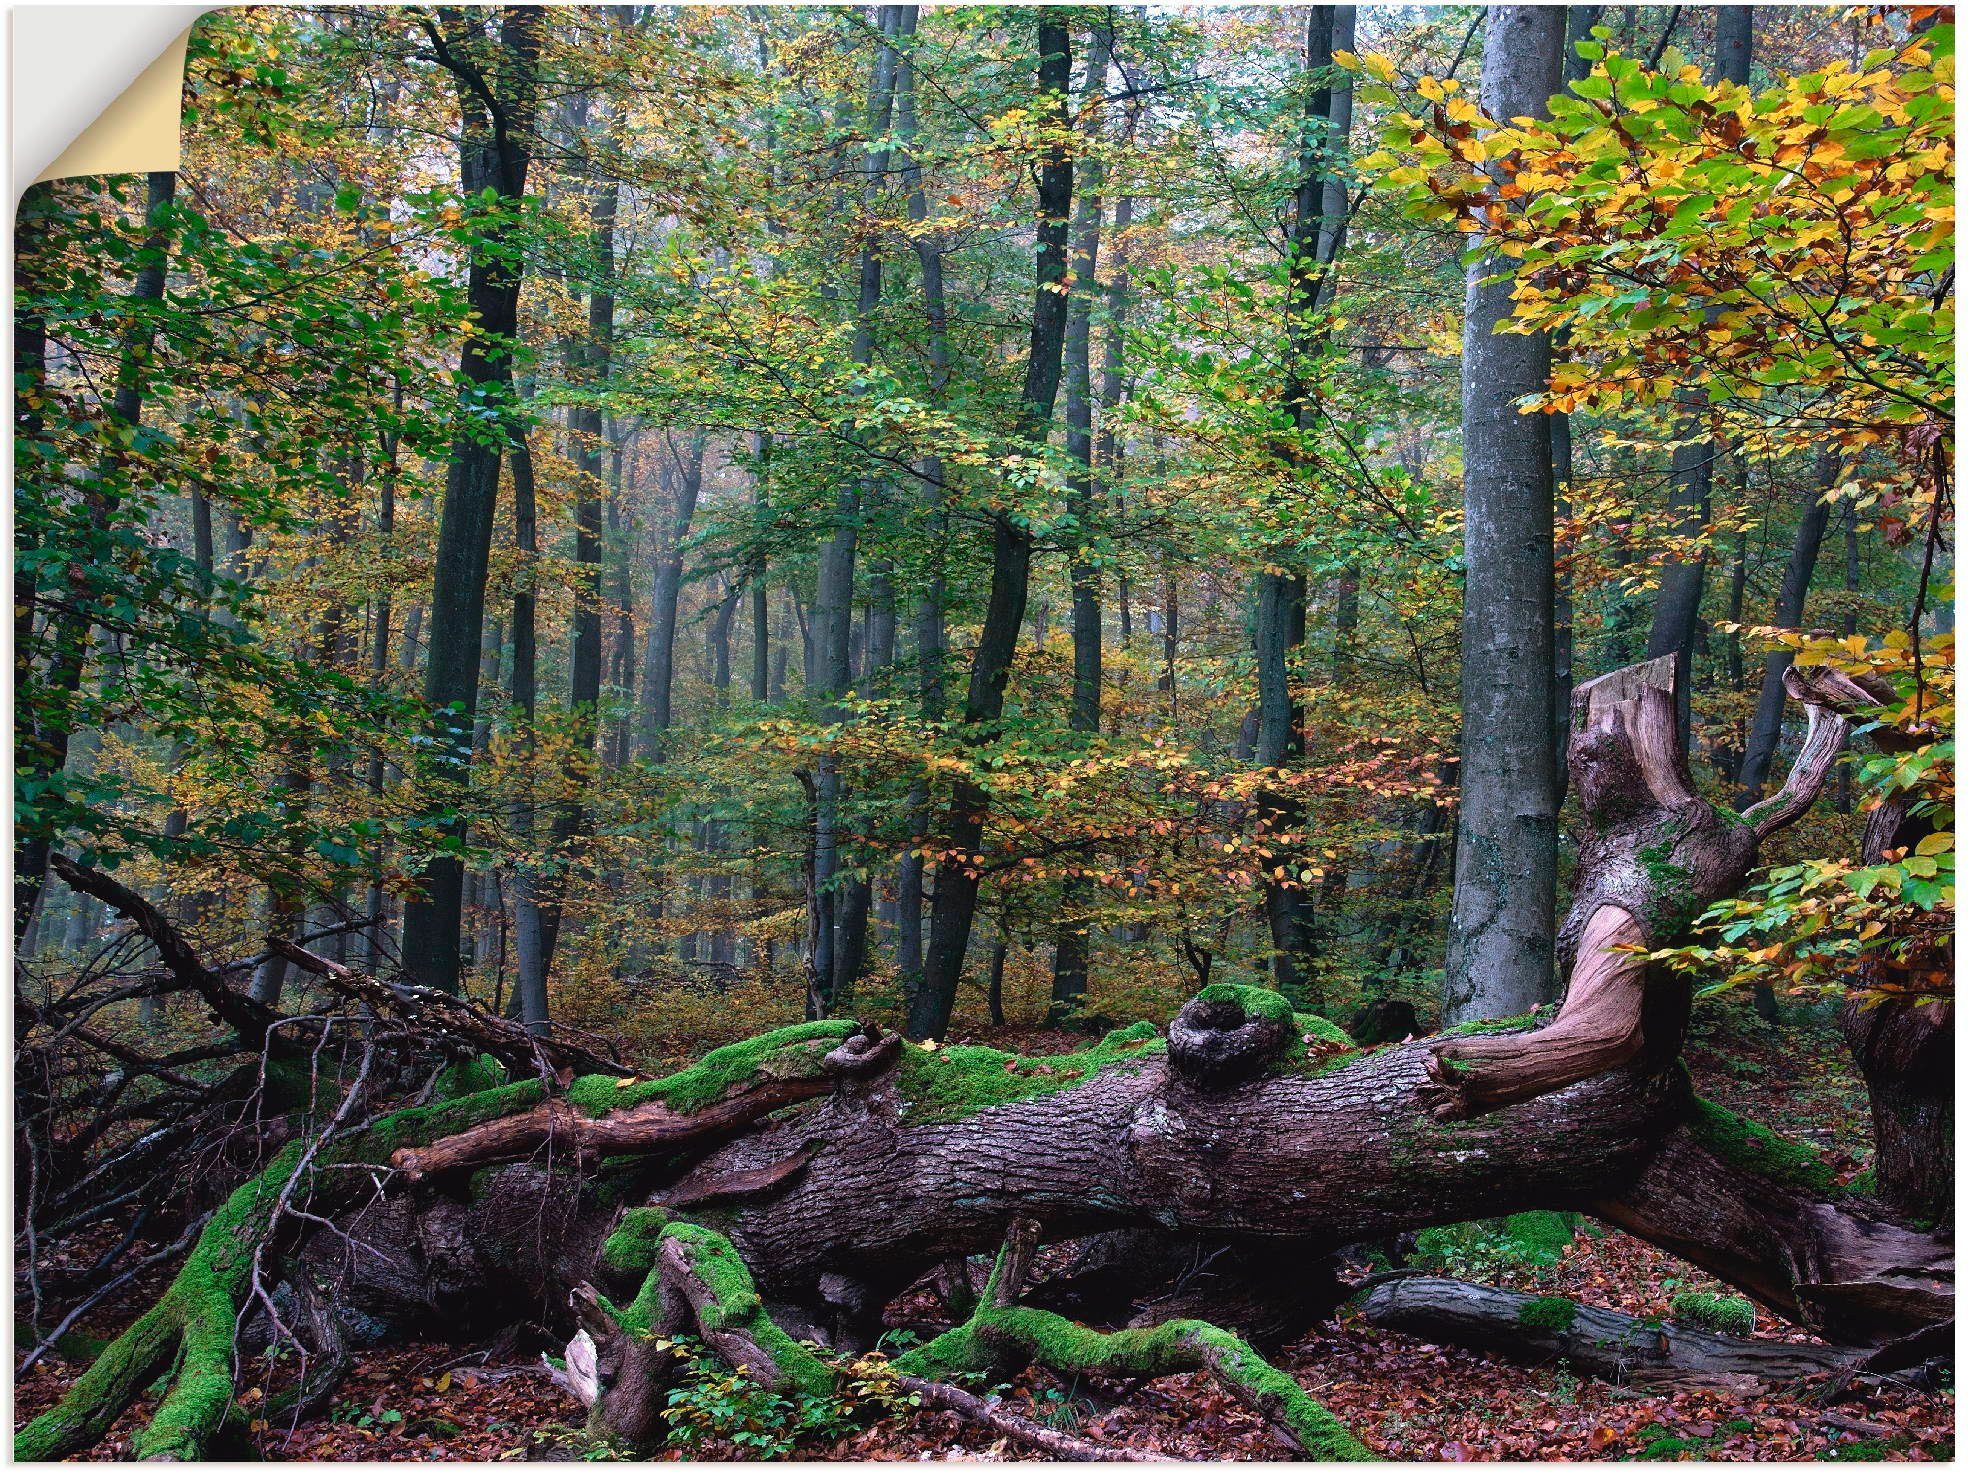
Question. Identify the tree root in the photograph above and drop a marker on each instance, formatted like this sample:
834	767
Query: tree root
991	1414
1002	1330
192	1325
694	1280
190	1329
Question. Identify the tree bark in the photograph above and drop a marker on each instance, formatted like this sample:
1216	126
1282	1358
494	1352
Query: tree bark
1596	1341
957	876
659	650
1280	629
1500	928
837	955
496	90
1069	953
1767	724
929	630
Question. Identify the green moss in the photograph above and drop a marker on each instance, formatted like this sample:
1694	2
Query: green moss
474	1076
788	1052
189	1330
736	1305
1478	1027
1871	1449
1256	1001
1553	1314
1180	1344
1749	1146
419	1126
1725	1313
1539	1238
631	1247
949	1084
1674	901
1322	1029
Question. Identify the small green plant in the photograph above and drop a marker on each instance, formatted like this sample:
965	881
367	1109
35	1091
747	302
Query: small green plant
1725	1313
1564	1384
1659	1443
1554	1314
1480	1250
1876	1449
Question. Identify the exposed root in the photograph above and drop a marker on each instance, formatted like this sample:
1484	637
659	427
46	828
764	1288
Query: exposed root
694	1281
991	1414
1002	1330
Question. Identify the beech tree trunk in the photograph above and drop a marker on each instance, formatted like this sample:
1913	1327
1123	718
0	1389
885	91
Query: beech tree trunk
1767	725
1280	627
958	876
1500	936
1069	953
495	155
929	630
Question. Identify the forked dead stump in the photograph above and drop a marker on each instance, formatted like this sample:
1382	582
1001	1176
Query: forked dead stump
1655	855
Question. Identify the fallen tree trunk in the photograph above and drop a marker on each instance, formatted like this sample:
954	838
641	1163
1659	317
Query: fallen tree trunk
790	1187
1593	1341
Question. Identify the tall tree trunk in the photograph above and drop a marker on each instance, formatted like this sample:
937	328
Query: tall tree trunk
1279	635
584	425
957	876
837	956
529	940
929	630
1500	934
495	153
761	592
1579	21
1069	953
1767	724
43	753
659	651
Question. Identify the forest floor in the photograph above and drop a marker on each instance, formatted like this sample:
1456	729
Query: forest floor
1406	1399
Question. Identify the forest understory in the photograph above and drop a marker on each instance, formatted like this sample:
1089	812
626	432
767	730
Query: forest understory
1086	732
1406	1399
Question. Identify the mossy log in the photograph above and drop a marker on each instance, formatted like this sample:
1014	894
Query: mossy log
790	1187
1592	1341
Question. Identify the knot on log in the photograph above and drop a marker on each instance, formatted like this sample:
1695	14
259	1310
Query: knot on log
864	1051
1226	1035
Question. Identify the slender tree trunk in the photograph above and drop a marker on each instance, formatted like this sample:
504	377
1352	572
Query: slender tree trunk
958	877
43	754
529	941
659	652
839	924
1767	724
1069	955
495	154
1500	956
584	424
929	630
1279	635
761	594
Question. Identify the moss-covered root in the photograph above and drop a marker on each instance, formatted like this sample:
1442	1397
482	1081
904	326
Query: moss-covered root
188	1332
692	1278
1002	1330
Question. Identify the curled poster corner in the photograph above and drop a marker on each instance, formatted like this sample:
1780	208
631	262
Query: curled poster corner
97	89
